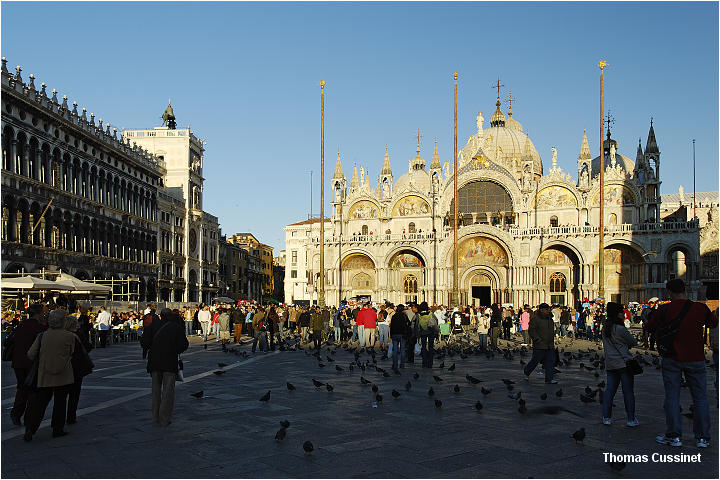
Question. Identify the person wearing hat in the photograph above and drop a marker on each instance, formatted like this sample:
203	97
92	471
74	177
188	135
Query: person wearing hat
617	342
542	334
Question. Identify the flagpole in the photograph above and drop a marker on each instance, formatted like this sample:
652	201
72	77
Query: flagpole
601	231
321	289
455	299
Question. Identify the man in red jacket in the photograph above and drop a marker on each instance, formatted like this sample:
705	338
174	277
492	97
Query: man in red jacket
687	358
368	319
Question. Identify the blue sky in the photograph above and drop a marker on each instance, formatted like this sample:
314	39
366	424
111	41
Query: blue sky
245	77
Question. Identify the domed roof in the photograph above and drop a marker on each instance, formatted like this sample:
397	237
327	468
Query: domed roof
627	164
504	145
414	180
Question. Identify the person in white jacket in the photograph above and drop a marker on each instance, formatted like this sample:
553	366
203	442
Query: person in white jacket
204	317
483	323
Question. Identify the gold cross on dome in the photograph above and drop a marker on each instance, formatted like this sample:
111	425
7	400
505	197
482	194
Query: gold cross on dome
510	98
497	86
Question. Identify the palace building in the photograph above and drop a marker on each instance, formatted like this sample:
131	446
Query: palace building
526	233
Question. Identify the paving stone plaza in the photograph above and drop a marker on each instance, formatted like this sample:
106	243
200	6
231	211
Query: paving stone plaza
230	433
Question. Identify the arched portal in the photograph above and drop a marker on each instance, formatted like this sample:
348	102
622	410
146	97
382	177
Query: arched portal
561	275
624	270
490	256
483	201
406	277
359	277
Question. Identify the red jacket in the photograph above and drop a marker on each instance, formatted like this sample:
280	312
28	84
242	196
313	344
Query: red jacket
689	339
367	317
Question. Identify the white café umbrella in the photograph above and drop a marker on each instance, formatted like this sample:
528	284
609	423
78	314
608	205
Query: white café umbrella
80	286
34	283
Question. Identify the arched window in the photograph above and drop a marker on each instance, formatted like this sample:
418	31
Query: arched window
5	223
18	226
411	227
364	229
55	237
612	219
410	288
557	283
483	197
553	221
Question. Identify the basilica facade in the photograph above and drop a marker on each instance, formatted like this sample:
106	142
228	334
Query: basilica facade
526	234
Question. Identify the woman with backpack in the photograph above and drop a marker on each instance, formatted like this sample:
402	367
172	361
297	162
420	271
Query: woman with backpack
617	342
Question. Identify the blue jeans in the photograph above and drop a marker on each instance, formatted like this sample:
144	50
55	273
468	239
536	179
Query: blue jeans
427	350
547	357
355	334
563	330
398	352
361	334
614	379
590	335
337	334
262	338
216	328
188	328
696	377
383	333
483	341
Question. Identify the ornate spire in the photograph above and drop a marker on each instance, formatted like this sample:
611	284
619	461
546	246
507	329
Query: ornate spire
527	149
338	174
498	118
651	145
354	182
639	157
584	148
386	170
435	164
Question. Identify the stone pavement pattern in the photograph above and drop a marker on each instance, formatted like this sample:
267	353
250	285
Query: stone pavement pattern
231	433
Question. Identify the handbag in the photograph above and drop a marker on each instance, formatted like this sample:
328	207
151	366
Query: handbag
32	376
632	365
8	348
179	376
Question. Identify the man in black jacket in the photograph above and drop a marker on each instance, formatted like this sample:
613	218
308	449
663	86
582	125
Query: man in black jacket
24	337
165	339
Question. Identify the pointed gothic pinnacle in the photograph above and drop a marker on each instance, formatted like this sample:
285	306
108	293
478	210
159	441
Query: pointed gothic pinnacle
64	104
42	89
17	75
84	114
32	82
54	96
92	119
74	110
4	65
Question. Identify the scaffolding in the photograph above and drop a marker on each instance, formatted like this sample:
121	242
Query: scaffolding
123	290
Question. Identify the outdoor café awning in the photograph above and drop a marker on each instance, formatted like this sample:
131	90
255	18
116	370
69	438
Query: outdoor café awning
78	285
34	283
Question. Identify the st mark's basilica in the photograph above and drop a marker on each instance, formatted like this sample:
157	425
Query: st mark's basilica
527	233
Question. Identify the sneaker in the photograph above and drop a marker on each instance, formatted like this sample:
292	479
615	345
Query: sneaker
702	443
632	423
607	421
672	441
540	373
553	382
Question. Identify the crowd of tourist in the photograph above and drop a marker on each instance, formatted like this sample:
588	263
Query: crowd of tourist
60	335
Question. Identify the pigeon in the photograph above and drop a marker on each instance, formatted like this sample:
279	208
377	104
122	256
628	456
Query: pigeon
329	359
559	393
543	396
431	392
408	386
485	391
438	403
510	388
329	387
395	393
339	368
317	384
437	379
617	466
219	372
456	388
308	447
452	368
222	365
472	379
522	409
588	391
515	396
507	382
416	375
586	398
363	380
554	410
265	397
280	435
579	435
478	406
321	365
284	423
378	398
442	365
521	401
290	386
198	394
205	346
374	388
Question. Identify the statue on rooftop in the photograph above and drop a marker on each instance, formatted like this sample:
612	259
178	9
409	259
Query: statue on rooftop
168	117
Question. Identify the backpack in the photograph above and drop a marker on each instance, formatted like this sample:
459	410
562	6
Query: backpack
148	319
432	321
666	331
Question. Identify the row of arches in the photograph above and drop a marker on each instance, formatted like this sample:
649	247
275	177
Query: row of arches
62	230
28	157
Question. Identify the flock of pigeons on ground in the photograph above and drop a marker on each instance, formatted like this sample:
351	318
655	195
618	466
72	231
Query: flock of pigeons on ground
365	363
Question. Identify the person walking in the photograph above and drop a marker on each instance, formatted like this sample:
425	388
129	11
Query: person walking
316	325
399	332
188	316
483	327
304	323
272	326
259	328
54	349
25	334
81	366
224	322
564	321
215	323
542	334
411	314
369	322
165	340
427	329
525	325
104	323
383	327
617	342
495	325
205	317
683	355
